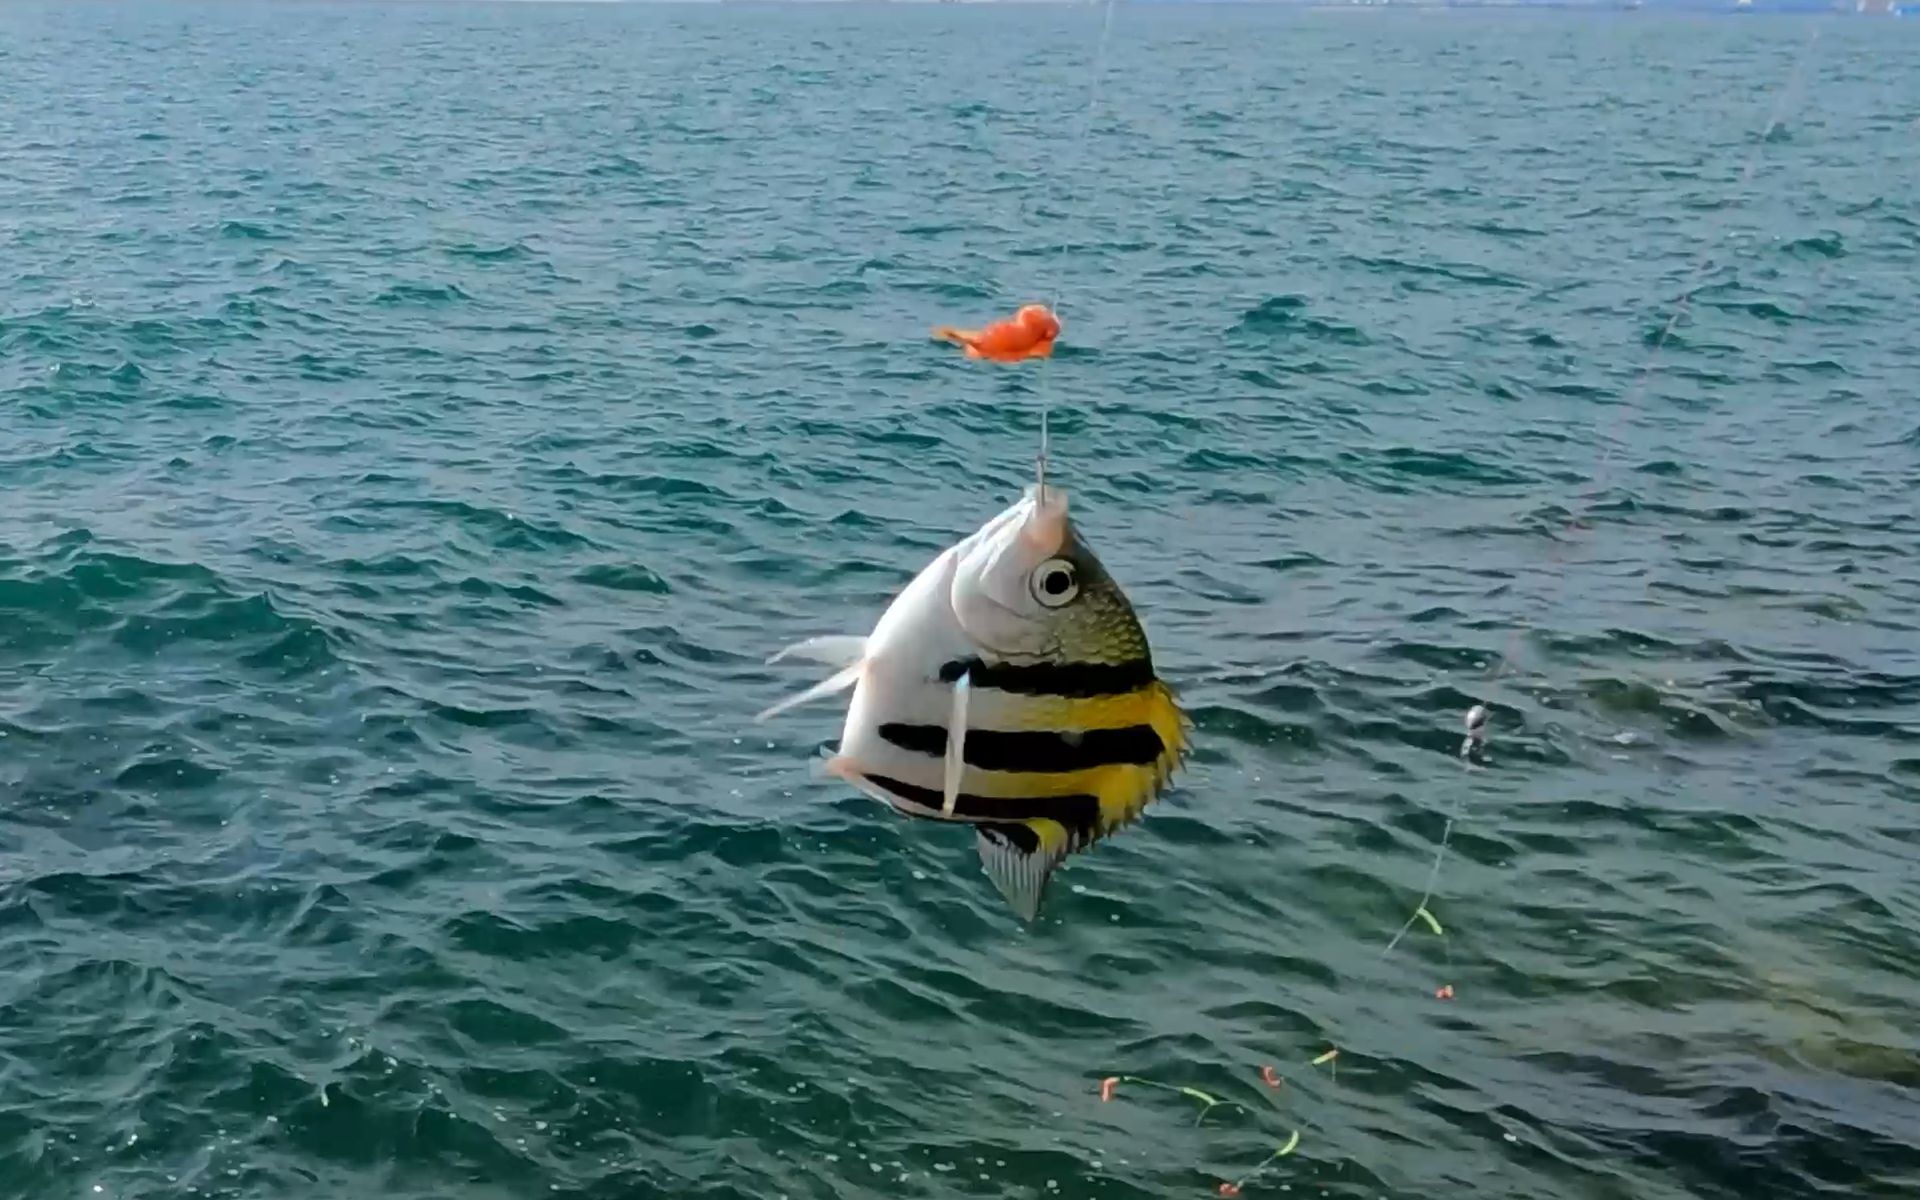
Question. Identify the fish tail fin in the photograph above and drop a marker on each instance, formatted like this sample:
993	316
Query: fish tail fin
1175	728
1020	857
839	681
1125	790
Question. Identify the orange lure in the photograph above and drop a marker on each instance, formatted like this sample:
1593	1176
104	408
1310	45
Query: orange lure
1029	333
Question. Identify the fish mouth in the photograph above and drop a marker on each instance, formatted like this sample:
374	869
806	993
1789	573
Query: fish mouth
1046	514
1044	497
1007	516
1046	526
1024	534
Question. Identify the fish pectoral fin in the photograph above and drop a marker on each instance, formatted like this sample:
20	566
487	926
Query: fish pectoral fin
956	747
840	681
832	650
1020	858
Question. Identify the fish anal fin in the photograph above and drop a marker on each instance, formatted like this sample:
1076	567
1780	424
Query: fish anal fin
1020	858
840	681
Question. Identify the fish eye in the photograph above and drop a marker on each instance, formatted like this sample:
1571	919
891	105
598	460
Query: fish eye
1055	582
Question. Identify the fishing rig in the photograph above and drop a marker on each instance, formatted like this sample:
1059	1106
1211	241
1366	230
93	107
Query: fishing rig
1478	720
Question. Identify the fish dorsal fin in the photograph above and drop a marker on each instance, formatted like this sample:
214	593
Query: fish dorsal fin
846	651
1020	858
840	681
833	650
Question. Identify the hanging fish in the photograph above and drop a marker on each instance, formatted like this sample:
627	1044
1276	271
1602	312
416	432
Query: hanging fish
1008	686
1029	333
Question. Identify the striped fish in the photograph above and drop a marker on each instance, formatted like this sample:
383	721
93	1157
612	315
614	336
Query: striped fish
1008	686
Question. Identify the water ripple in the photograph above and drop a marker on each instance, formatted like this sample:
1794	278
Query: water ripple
406	482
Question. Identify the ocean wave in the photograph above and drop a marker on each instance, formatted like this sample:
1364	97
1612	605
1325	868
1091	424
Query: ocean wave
386	811
420	293
1281	315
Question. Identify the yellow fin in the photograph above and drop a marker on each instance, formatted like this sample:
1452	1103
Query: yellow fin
1126	791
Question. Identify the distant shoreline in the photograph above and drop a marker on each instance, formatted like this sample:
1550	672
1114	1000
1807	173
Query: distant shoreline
1693	7
1771	8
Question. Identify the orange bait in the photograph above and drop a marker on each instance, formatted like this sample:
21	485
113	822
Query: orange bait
1029	333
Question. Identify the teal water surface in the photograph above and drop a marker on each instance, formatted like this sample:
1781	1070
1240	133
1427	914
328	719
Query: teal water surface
418	423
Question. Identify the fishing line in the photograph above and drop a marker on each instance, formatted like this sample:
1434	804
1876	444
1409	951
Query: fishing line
1059	285
1783	98
1472	748
1478	716
1209	1102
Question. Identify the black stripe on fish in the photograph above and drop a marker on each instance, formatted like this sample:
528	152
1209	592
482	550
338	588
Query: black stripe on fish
1036	749
1076	681
1079	813
1020	837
